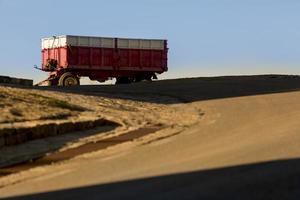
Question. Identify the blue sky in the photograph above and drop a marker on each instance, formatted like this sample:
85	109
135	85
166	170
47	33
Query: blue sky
206	37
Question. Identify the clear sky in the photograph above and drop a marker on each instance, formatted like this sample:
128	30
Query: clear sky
206	37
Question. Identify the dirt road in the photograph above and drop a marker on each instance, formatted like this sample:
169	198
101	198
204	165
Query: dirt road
220	138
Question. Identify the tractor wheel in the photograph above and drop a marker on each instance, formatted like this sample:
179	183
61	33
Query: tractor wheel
68	79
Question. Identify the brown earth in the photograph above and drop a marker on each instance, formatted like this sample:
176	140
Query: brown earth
220	138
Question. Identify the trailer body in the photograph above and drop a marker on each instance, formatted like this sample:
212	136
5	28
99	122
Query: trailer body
102	58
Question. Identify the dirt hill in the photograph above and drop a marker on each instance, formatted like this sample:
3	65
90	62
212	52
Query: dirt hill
218	138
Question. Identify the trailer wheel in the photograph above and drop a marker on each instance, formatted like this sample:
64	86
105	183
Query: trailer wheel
68	79
123	80
138	79
145	77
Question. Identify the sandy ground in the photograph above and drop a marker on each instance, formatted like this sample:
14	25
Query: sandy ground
222	138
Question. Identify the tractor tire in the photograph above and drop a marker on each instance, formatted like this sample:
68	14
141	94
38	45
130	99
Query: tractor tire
68	79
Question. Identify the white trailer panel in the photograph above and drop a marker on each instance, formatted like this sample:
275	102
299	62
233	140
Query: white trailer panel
83	41
101	42
124	43
54	42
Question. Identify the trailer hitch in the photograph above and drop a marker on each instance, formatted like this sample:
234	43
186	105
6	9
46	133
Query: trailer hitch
36	67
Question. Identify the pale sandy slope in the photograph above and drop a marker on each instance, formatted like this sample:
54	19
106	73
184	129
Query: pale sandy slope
224	156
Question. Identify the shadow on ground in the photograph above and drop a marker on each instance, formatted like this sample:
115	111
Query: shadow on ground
42	157
191	89
269	180
35	153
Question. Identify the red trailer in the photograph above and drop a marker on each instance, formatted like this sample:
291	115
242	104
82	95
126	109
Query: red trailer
67	58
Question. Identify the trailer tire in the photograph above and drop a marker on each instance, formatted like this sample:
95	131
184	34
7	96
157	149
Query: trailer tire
123	80
144	77
68	79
